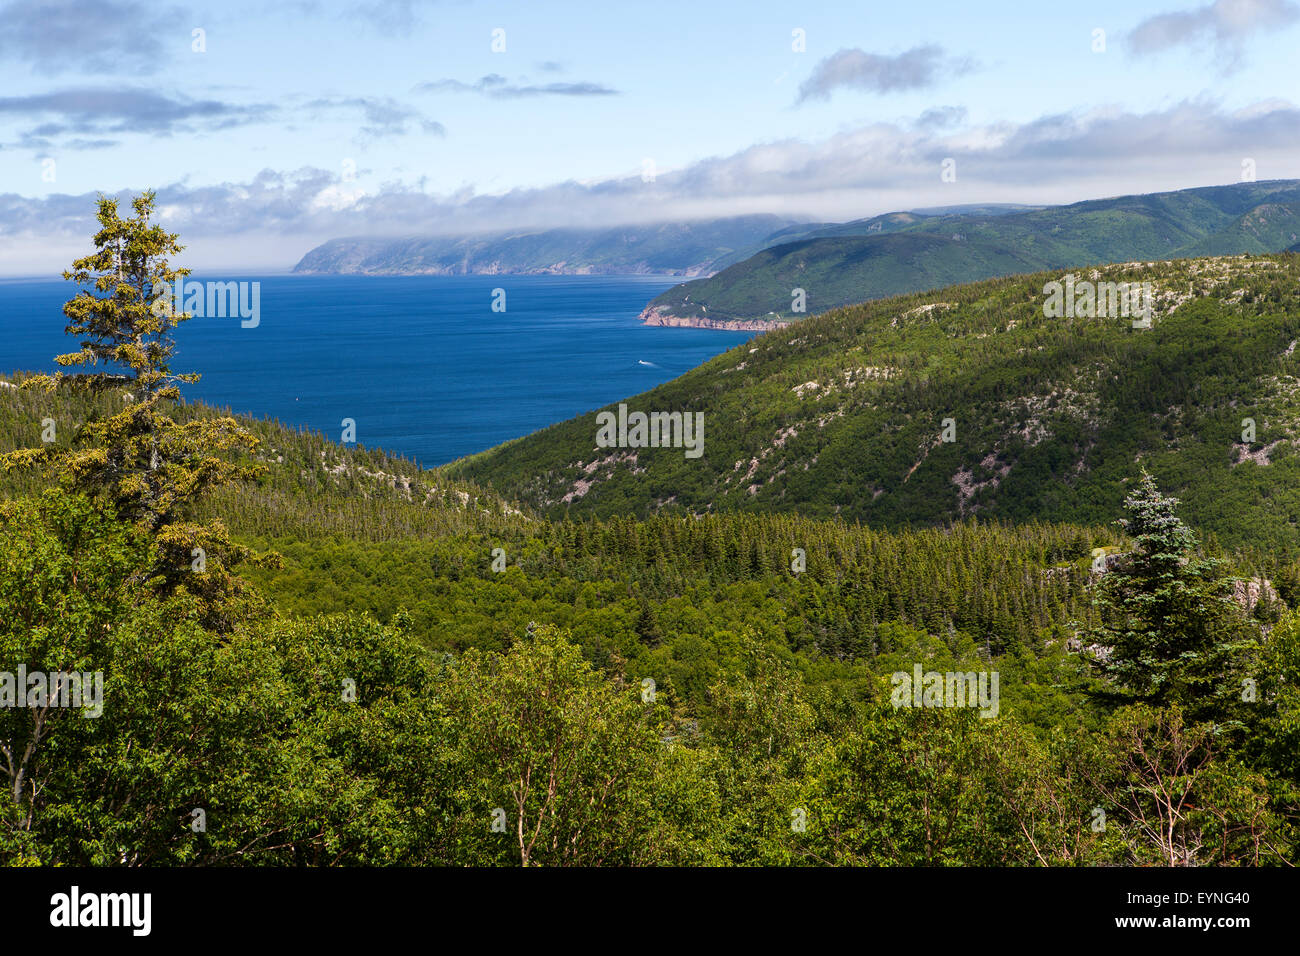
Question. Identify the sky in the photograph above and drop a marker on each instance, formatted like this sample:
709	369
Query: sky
268	128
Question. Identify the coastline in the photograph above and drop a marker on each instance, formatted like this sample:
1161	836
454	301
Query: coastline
656	315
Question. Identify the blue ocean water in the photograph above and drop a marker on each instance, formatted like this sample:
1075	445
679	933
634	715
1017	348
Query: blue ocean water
422	363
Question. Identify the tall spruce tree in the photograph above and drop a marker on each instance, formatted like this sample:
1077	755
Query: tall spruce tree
1168	621
135	456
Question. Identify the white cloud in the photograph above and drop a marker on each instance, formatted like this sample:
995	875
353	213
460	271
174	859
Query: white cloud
872	169
1224	25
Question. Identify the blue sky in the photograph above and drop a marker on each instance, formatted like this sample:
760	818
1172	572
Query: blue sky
304	121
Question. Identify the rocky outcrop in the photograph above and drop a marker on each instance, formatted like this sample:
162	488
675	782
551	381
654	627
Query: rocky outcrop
656	315
1248	593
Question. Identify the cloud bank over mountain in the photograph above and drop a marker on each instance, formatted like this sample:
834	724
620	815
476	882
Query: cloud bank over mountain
859	172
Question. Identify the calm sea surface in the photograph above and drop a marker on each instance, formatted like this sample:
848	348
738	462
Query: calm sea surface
423	364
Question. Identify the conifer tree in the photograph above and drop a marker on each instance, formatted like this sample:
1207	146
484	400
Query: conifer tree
136	457
1172	631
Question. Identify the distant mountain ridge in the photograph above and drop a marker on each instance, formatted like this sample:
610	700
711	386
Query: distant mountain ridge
682	248
842	264
745	270
688	249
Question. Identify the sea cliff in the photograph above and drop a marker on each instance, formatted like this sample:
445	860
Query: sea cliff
657	315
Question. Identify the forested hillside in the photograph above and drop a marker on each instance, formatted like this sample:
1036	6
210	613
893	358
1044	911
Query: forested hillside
731	689
842	264
359	530
846	414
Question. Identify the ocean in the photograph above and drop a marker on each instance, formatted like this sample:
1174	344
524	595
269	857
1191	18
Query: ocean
422	364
